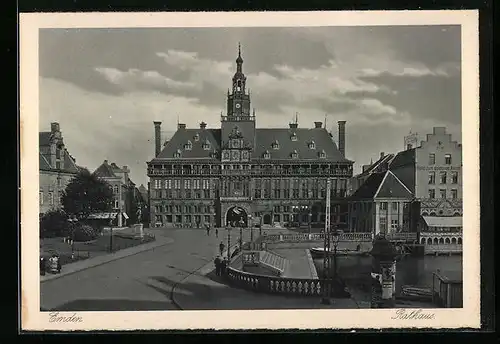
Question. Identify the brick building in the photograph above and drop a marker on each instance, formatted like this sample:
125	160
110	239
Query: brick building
56	168
276	176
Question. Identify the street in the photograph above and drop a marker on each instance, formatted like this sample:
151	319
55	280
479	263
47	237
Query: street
140	282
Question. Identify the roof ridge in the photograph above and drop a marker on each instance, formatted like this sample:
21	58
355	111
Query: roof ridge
380	185
399	180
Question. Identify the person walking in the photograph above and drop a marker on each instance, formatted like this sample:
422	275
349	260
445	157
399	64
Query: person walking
218	264
221	247
208	230
216	232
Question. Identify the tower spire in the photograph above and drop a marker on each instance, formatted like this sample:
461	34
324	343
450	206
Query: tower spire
296	117
239	60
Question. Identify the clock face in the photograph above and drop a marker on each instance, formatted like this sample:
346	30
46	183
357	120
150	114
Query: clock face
238	105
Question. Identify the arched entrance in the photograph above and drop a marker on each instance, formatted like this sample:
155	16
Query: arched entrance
236	217
267	219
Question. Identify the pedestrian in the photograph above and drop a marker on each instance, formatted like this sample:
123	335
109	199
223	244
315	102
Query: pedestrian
58	263
208	229
216	232
358	247
221	247
218	264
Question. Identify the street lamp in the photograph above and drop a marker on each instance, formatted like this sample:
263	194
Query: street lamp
310	219
250	224
335	240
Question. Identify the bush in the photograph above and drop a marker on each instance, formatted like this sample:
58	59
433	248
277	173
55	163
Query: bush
54	224
82	232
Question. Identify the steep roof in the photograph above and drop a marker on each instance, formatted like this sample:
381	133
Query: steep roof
302	138
406	157
43	163
197	137
105	171
264	140
382	185
386	159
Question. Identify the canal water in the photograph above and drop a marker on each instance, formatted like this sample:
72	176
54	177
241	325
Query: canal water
416	271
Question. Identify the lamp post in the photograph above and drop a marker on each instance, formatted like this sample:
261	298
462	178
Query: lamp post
241	223
383	267
335	237
228	242
250	225
310	219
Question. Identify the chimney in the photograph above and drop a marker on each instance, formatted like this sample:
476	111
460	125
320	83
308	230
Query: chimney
54	127
382	154
342	137
157	138
318	124
203	125
181	126
293	125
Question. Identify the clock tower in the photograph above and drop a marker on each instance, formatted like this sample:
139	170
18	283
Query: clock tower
238	126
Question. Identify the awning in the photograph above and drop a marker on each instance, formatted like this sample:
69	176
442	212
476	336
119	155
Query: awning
125	216
102	216
443	221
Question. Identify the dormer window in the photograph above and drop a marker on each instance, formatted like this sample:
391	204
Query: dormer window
206	145
275	145
293	137
322	154
295	155
177	154
267	155
188	145
196	137
312	145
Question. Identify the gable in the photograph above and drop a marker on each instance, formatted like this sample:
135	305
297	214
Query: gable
369	188
392	187
104	171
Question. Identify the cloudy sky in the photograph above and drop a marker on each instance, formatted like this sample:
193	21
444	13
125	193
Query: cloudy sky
106	87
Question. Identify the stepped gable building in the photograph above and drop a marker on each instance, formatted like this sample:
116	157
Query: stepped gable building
271	176
56	168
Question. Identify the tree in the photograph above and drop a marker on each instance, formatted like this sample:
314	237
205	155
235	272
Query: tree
87	194
54	224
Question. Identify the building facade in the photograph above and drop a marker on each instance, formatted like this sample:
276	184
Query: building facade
432	172
56	168
240	173
125	193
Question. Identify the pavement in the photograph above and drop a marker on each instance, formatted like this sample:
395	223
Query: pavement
141	279
298	265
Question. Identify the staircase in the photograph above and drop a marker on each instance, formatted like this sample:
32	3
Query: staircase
273	261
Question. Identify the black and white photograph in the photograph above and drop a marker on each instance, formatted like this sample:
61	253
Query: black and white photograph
251	167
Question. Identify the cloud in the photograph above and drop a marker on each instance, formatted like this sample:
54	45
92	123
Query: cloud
446	70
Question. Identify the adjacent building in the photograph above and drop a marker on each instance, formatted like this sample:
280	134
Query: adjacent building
125	193
56	168
239	173
432	172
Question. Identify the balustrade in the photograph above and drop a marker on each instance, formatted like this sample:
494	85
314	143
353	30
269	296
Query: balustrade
253	172
273	238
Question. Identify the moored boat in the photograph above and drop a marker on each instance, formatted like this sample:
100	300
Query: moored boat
319	252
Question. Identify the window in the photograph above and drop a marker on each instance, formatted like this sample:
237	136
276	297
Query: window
394	224
51	198
188	145
59	182
157	185
295	155
383	206
442	177
177	154
432	177
277	193
442	193
312	145
196	184
168	183
293	137
454	193
322	154
41	197
432	193
187	184
267	155
447	159
395	206
206	145
116	204
177	184
454	177
275	145
196	137
432	159
158	218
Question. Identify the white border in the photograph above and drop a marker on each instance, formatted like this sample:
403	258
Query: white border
33	319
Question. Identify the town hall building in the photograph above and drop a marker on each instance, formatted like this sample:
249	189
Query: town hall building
246	175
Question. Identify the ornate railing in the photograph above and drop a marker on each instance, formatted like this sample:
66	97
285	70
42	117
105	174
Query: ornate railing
443	248
305	237
401	236
275	285
253	172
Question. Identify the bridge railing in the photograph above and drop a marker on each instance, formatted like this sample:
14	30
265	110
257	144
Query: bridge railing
306	237
275	285
401	236
444	248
